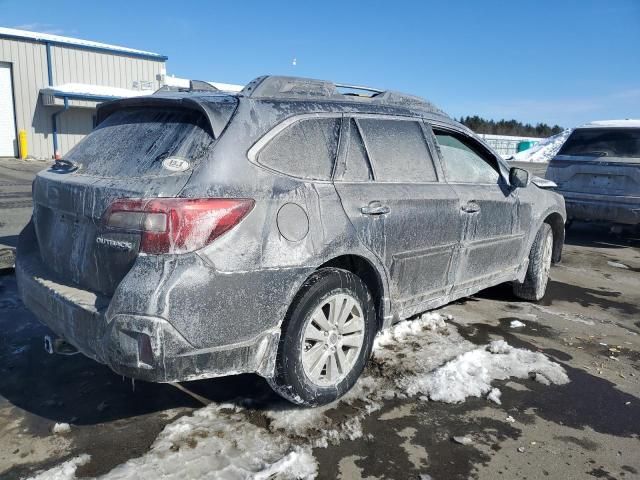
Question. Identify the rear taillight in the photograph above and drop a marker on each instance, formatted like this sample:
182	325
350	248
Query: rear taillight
176	225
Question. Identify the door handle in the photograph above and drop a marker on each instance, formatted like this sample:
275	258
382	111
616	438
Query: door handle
375	208
470	207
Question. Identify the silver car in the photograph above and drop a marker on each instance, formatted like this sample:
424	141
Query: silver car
597	170
197	234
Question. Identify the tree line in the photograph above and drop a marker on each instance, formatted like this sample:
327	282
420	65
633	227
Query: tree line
509	127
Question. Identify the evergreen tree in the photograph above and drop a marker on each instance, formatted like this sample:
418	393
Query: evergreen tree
509	127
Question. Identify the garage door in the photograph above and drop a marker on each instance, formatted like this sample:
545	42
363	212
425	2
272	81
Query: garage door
7	118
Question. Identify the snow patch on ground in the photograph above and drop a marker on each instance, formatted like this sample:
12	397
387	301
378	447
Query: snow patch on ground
64	471
544	151
61	428
617	265
471	374
516	324
494	396
218	441
426	358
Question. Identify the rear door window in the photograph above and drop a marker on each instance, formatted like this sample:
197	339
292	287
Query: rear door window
603	142
134	142
398	150
465	161
306	149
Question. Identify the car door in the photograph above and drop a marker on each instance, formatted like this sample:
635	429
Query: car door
391	190
492	238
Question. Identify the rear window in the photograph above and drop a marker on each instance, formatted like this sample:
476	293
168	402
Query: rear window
603	142
305	149
398	150
135	141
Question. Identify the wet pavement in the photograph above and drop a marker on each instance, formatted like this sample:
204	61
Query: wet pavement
15	202
589	322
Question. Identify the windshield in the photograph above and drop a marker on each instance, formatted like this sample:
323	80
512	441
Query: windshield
135	141
603	142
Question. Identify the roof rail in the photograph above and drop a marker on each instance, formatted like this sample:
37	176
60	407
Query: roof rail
272	87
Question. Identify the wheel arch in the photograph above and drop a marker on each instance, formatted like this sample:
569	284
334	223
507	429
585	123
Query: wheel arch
556	222
369	274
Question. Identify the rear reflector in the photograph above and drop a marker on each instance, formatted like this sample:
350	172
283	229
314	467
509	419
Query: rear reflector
176	225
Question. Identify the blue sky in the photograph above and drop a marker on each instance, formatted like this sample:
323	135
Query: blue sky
562	61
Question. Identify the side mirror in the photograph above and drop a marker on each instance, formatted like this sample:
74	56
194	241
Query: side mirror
519	177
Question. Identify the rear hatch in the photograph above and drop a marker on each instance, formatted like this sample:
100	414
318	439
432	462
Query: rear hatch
599	161
141	148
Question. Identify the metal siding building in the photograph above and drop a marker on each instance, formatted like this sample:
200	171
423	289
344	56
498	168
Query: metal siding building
42	75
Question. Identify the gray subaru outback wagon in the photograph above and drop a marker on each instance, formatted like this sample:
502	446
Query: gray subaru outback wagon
198	234
597	170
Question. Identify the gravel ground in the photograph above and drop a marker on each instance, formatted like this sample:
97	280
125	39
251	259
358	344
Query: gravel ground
589	322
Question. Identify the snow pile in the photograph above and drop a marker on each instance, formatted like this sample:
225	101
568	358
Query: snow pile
94	90
544	151
64	471
517	324
617	265
411	350
425	357
61	428
411	353
494	396
317	427
218	441
471	373
173	81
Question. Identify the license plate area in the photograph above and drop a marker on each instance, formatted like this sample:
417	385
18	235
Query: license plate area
602	181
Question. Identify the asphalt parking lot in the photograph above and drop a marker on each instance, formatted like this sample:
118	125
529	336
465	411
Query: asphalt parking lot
589	323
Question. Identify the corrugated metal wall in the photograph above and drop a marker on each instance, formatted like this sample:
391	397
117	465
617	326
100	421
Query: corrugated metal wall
69	65
29	65
73	125
74	65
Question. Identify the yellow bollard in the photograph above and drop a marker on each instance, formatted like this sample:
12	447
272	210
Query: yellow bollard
22	144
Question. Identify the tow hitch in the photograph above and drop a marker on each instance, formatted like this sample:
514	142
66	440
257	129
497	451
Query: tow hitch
59	346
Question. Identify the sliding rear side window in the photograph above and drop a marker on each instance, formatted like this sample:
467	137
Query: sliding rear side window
306	149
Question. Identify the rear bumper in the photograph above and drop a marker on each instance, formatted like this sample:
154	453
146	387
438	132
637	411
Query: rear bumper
139	346
604	209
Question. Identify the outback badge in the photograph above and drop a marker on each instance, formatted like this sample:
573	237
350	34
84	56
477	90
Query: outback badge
117	244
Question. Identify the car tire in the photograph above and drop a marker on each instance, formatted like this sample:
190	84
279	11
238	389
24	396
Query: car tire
332	313
537	276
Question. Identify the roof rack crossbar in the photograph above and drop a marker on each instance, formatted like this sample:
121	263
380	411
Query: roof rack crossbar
359	87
